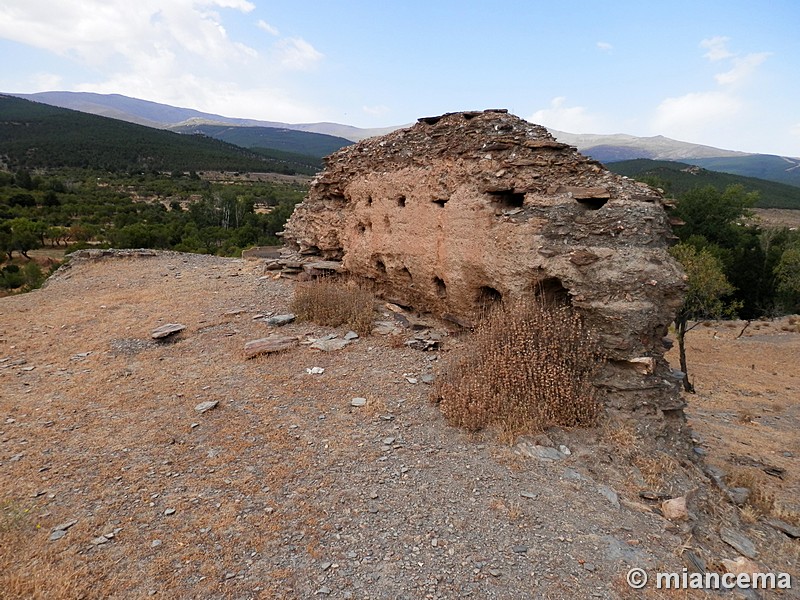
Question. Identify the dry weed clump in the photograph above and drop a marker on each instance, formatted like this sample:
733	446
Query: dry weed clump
529	366
334	302
761	501
30	569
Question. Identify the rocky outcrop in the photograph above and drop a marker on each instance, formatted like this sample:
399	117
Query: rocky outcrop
468	208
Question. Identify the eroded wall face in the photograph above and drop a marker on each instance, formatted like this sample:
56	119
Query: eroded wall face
469	209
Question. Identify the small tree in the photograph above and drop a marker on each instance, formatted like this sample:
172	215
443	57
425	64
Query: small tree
706	289
787	275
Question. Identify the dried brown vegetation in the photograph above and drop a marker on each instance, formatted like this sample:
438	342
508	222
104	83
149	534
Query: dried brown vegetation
530	366
335	302
27	573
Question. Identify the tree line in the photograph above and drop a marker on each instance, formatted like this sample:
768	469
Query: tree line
177	211
735	268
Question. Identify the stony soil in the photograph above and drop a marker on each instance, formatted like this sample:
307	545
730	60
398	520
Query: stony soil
286	490
746	411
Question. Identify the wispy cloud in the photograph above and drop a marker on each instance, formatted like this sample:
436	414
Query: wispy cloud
297	54
270	29
572	119
690	115
742	68
605	46
717	48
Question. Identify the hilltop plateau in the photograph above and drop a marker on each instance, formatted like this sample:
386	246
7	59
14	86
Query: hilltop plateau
116	486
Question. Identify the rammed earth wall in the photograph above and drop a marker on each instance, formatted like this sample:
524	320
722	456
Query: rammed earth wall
469	208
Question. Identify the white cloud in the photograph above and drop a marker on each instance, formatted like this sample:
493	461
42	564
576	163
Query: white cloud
605	46
717	48
742	68
172	51
99	32
701	114
270	29
571	119
685	116
297	54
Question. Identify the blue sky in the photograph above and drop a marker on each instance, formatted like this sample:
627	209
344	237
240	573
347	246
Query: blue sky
722	73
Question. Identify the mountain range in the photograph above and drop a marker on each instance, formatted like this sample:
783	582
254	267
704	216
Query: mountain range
253	133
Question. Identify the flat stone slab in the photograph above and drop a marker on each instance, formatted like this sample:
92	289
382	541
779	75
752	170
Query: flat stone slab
787	528
738	541
167	330
268	345
544	453
206	406
324	265
280	320
329	345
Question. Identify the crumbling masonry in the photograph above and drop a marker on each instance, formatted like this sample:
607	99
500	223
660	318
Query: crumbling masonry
469	208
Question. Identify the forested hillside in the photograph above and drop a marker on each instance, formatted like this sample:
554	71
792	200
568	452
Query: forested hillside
287	140
34	135
678	178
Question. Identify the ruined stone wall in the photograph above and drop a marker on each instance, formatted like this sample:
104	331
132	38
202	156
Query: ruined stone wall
469	208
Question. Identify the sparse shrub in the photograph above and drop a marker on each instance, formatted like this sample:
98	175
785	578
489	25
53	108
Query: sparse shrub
334	302
761	500
529	366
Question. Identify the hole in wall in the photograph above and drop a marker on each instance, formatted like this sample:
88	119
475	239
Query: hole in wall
552	290
431	120
440	201
441	287
406	274
380	266
592	203
508	198
487	295
369	200
401	201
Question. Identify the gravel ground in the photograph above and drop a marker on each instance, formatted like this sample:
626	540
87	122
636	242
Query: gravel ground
285	489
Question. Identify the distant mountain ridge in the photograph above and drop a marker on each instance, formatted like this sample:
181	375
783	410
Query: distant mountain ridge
317	145
604	148
164	116
657	147
37	135
621	147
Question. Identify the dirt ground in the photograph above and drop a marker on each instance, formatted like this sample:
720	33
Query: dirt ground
113	485
746	409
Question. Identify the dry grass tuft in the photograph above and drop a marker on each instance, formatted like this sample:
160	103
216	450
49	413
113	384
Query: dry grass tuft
761	501
657	468
31	568
622	436
529	366
335	302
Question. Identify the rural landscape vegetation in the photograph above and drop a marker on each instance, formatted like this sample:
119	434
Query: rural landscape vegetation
72	181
